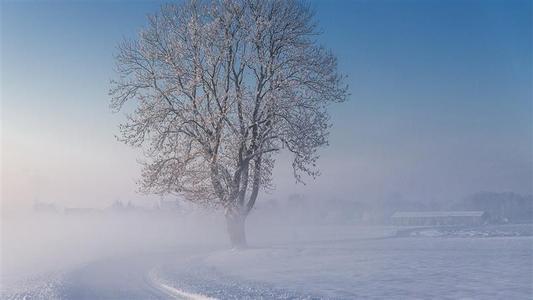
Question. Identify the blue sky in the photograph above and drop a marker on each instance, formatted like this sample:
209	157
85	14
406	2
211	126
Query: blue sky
440	106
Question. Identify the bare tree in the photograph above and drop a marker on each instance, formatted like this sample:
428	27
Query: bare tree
220	87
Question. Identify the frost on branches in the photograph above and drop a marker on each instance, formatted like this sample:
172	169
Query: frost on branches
219	88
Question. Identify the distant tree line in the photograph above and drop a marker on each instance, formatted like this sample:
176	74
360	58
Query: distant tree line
501	207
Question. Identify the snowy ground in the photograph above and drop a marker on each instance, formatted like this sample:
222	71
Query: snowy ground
373	267
100	256
498	268
311	262
509	230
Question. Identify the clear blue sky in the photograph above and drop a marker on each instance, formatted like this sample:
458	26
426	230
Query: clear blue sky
441	100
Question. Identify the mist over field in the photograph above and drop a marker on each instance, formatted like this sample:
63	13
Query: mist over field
140	253
282	149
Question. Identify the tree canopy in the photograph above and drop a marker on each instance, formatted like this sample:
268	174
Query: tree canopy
219	88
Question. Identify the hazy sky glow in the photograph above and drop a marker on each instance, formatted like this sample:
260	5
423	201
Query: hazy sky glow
441	101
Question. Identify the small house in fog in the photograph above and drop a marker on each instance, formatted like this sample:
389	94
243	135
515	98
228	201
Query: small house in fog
431	218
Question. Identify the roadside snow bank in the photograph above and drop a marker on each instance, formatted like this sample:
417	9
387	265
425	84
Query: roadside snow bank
195	279
515	230
164	286
44	286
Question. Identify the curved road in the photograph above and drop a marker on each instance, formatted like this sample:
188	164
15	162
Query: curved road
118	278
129	277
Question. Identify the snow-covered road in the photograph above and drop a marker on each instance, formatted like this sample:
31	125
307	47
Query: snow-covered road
179	274
109	278
116	278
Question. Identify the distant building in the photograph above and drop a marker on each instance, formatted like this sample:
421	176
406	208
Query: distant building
81	211
169	204
430	218
44	207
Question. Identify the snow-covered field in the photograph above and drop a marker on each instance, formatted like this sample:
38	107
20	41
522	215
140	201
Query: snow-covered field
369	264
288	261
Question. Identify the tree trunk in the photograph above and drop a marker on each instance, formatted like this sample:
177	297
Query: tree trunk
235	225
